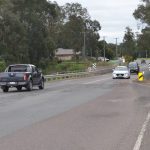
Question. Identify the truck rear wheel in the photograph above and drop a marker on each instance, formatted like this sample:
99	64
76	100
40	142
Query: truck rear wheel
41	86
19	88
5	89
30	86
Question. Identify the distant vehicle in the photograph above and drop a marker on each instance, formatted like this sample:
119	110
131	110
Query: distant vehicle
21	75
100	59
121	72
143	61
134	67
103	59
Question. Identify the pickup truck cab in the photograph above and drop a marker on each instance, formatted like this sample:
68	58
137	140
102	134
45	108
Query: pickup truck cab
21	75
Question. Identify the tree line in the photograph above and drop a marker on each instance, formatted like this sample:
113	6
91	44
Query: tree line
30	30
137	44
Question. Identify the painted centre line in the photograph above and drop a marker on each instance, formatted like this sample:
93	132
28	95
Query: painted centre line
97	81
141	135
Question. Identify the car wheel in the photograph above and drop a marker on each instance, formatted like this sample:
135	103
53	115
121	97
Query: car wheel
19	88
41	85
5	89
30	86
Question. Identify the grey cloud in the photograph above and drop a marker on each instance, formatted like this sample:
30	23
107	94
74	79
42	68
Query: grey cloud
113	15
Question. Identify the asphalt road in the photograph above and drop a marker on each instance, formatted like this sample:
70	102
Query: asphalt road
95	113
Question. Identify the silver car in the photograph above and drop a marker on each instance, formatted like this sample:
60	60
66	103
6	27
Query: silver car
121	72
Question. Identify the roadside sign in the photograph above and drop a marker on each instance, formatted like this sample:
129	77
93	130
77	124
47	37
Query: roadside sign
94	66
140	76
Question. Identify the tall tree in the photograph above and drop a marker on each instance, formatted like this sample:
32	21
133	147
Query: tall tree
79	31
38	17
75	9
12	41
26	30
129	42
142	13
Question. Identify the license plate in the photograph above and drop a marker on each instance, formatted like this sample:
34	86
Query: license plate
12	83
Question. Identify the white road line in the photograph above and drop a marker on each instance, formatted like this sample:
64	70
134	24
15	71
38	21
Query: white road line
97	81
141	135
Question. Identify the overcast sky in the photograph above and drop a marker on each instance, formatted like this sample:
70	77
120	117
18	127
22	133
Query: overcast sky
113	15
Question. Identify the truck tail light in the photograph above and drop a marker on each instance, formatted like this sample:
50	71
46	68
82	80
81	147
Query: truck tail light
25	77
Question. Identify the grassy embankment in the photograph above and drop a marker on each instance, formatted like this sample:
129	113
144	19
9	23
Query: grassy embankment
71	66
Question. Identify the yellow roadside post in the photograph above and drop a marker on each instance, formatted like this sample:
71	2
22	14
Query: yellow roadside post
140	76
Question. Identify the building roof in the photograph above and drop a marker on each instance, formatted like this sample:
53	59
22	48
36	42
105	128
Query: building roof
61	51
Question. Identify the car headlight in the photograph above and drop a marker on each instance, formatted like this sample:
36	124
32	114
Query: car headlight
126	74
114	74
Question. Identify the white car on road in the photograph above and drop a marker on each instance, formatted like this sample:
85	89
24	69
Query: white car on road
121	72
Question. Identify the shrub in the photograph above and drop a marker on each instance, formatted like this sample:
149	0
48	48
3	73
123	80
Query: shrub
128	58
2	65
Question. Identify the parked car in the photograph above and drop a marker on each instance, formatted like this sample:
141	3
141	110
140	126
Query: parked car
134	67
103	59
121	72
21	75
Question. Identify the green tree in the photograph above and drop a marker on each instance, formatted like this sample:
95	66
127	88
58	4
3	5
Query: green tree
79	28
109	49
143	43
142	13
111	52
26	30
75	9
12	41
129	43
38	17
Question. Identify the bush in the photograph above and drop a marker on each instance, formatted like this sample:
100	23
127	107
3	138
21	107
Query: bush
2	65
128	58
63	67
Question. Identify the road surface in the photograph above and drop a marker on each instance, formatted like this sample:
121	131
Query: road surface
94	113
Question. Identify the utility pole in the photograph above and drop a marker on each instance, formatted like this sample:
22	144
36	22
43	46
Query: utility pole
104	46
146	53
84	44
116	47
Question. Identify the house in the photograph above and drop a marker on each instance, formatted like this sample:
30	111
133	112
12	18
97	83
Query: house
65	54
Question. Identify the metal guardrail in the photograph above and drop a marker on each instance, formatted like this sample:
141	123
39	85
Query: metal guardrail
76	75
65	76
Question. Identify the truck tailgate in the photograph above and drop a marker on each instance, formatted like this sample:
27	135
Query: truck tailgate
12	77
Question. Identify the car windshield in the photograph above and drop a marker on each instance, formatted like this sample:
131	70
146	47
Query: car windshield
121	68
18	68
132	65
